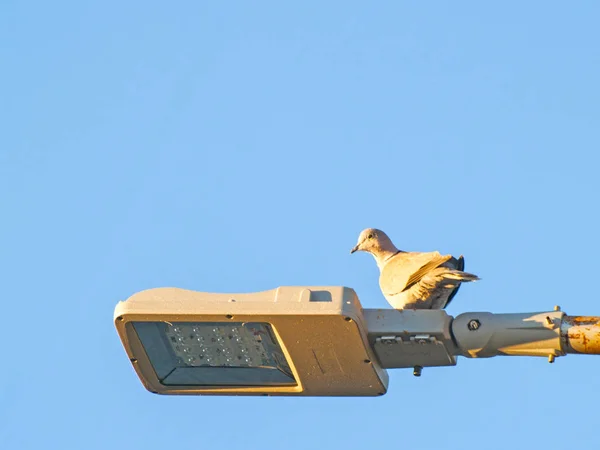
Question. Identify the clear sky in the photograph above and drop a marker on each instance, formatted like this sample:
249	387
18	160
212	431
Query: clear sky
240	146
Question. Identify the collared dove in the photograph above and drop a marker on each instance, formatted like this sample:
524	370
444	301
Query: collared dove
413	280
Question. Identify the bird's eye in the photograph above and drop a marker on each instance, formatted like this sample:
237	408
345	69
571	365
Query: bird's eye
370	236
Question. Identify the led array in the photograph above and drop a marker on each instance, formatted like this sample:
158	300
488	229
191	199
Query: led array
222	345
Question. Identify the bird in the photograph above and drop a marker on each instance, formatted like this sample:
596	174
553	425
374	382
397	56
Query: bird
413	280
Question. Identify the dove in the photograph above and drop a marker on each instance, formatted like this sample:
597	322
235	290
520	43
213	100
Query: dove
413	280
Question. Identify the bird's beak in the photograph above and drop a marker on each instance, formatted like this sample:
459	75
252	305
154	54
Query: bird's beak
354	249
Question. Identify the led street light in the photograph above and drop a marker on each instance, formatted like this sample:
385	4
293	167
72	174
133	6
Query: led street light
318	340
287	341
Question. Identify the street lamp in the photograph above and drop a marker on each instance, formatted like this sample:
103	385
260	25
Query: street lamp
318	341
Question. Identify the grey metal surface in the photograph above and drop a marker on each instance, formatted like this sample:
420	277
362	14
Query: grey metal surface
483	334
409	338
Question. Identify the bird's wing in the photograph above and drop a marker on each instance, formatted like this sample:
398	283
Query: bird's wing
405	269
460	265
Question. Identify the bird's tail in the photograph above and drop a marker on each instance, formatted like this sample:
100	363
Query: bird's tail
459	275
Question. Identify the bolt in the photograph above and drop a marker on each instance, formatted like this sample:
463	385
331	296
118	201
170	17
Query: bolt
474	325
417	371
550	359
556	308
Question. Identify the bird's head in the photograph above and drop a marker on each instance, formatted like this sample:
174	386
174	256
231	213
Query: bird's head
374	241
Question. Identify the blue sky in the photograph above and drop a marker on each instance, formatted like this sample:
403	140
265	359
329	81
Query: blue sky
243	146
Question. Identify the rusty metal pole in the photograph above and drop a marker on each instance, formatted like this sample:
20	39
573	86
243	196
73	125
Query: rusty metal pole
581	334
